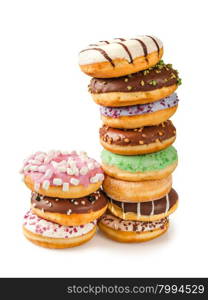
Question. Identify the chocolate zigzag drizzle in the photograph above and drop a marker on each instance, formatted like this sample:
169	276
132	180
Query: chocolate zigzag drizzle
121	39
144	47
154	40
106	42
103	53
127	51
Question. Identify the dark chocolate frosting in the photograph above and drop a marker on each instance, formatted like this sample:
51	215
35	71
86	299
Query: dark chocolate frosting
161	75
93	202
155	207
138	136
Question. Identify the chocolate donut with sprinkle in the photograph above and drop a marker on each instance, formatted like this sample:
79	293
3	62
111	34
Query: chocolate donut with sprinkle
142	87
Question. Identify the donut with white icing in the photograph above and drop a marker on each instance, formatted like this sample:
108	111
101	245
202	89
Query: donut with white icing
51	235
140	115
145	211
131	191
119	57
131	231
62	174
142	87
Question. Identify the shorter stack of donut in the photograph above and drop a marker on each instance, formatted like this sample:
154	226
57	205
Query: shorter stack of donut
140	193
66	198
136	93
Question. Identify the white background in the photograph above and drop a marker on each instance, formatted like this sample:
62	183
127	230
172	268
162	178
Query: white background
45	105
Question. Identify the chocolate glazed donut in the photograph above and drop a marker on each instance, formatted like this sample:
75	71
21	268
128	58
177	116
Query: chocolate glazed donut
142	87
139	140
70	212
161	75
145	211
93	202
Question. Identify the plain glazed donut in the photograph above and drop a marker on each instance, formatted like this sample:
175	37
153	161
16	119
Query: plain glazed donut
142	87
139	176
140	115
145	211
142	140
70	212
62	174
120	57
50	235
131	231
152	166
126	191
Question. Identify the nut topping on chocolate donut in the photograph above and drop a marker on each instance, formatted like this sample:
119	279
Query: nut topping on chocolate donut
140	136
161	75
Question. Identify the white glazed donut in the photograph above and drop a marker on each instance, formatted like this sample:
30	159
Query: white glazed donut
51	235
120	56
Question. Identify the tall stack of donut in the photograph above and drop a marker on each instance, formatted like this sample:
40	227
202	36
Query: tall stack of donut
136	93
66	198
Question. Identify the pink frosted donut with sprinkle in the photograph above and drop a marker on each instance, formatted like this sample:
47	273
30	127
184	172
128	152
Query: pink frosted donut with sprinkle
62	174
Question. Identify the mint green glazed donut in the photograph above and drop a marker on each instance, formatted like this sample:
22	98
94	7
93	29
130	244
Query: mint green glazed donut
141	163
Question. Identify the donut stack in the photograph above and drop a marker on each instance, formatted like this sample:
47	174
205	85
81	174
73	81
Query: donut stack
136	93
66	199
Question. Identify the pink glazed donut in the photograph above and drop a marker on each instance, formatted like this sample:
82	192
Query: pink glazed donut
62	174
